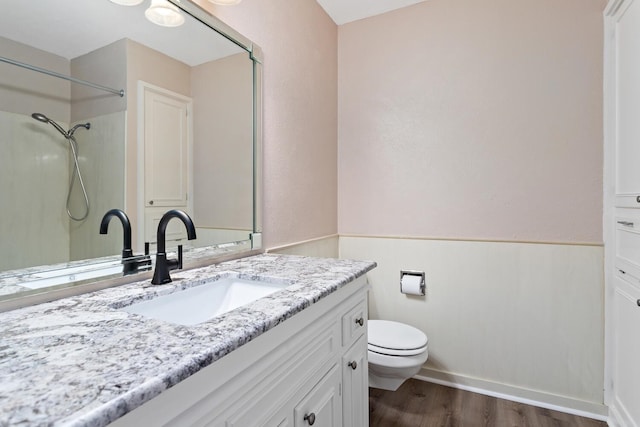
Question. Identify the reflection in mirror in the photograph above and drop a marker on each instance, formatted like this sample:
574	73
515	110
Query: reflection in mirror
181	137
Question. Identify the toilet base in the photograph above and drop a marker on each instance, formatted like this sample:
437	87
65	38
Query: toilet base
390	379
385	383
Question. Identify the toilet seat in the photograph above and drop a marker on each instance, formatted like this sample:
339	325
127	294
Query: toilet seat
395	352
395	339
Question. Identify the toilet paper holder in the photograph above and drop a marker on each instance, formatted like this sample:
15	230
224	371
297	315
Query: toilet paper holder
414	273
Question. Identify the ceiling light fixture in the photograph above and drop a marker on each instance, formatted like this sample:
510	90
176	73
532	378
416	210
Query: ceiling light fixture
127	2
225	2
163	13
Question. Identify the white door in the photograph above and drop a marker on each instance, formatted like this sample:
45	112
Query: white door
166	139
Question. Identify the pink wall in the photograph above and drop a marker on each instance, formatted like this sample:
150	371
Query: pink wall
473	120
299	42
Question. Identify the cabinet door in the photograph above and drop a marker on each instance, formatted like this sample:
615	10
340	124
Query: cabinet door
322	407
355	390
627	352
627	95
270	401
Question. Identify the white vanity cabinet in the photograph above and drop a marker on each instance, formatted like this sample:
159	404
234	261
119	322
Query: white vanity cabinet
309	370
622	211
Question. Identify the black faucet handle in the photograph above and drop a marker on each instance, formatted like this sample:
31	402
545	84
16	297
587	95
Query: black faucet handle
173	263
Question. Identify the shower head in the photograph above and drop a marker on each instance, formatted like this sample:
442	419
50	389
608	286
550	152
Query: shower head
40	117
81	125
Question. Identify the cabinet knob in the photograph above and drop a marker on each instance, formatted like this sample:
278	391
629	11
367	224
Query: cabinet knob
353	364
360	321
638	302
151	202
310	418
638	199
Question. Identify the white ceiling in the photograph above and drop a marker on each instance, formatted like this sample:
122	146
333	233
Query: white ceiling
70	28
344	11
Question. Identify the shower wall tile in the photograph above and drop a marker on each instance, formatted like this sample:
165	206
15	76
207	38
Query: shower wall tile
101	158
34	167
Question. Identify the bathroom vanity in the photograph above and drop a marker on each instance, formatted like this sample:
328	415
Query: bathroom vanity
296	357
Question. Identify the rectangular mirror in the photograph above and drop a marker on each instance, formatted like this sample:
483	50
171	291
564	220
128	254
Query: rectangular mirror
150	118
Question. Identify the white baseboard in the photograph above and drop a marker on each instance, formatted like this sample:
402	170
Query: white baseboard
529	397
619	415
614	417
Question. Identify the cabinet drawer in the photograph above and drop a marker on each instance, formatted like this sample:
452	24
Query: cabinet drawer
628	201
628	243
354	323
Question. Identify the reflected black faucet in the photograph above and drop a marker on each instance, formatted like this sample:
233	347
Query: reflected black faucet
164	265
131	264
126	227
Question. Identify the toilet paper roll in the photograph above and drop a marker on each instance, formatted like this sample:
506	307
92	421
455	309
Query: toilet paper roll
411	284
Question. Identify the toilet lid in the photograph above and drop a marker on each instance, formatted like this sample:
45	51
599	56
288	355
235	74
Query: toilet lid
393	338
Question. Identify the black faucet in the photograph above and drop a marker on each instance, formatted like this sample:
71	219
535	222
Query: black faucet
131	264
164	265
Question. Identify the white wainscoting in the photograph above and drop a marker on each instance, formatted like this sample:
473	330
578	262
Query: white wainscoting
522	320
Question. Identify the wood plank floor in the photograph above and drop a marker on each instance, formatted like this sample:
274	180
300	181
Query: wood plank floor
422	404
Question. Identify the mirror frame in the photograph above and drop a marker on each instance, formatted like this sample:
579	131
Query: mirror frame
254	246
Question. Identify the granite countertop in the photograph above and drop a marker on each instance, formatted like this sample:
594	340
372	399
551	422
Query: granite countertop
81	361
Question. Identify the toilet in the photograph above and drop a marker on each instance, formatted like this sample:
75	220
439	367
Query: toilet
396	353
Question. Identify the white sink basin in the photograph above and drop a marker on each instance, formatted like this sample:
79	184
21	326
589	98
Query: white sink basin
204	302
